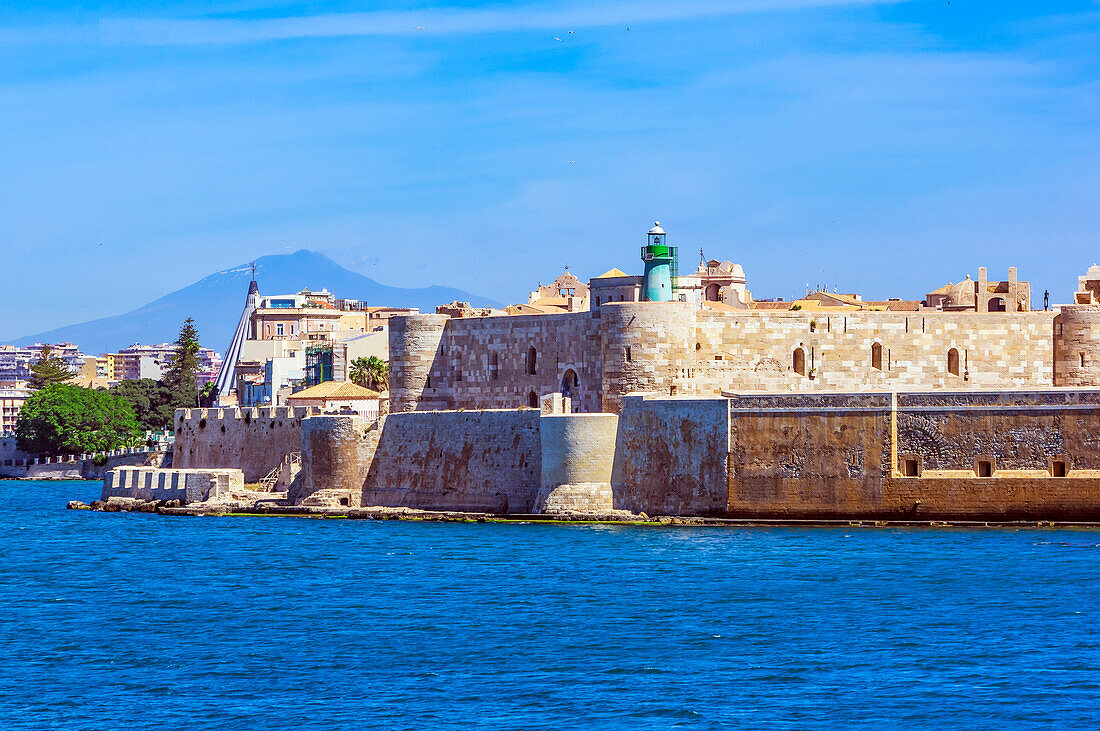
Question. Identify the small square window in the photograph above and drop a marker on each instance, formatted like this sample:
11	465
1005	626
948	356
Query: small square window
985	468
910	467
1058	468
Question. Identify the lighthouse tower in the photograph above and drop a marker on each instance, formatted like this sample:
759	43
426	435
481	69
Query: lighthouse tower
660	266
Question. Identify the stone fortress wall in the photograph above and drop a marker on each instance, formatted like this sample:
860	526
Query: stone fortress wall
760	414
676	349
253	440
919	455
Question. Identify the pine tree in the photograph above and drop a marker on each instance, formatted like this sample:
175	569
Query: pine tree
183	367
49	369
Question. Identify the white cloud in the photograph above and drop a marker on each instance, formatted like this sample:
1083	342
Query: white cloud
440	21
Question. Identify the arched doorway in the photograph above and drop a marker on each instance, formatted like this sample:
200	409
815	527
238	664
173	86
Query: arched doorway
876	356
997	304
533	400
953	362
570	384
799	363
712	292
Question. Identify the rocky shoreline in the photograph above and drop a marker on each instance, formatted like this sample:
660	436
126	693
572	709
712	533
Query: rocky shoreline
273	509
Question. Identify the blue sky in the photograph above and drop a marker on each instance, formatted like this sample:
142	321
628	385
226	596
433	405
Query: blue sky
881	147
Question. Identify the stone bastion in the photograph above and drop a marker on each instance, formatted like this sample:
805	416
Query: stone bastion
986	455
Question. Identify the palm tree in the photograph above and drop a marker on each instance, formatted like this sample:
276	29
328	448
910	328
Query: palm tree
372	372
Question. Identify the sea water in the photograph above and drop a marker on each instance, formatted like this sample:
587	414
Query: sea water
143	621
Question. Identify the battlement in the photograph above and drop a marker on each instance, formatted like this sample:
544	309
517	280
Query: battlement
236	413
255	440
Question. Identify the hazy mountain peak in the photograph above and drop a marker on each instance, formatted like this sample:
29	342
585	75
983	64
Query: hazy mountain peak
215	302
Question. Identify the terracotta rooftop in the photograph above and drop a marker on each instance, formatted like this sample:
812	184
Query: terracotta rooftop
335	390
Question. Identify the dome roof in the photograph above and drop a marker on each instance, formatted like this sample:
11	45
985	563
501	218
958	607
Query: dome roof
656	228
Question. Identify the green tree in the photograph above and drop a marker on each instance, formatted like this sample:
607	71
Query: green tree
207	394
153	402
49	369
66	419
372	372
183	367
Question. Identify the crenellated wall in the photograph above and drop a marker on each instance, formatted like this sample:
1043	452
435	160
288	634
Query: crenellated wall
253	440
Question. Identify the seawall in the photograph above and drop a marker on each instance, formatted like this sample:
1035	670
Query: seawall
905	456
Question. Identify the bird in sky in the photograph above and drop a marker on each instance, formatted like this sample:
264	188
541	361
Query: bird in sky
559	40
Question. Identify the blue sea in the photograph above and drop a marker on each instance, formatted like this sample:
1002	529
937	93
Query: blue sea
142	621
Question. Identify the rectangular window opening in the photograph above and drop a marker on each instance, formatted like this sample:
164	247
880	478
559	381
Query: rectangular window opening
985	468
1058	469
909	467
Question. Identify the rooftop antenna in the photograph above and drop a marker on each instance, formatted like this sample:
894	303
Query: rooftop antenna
253	267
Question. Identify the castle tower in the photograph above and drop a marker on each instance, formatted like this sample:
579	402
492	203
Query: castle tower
645	348
1077	346
660	261
225	386
414	345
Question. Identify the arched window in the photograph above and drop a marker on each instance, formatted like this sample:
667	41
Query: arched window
997	304
799	361
532	361
570	384
533	400
876	356
597	302
953	362
494	366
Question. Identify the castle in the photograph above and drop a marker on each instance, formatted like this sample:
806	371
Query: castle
682	341
684	405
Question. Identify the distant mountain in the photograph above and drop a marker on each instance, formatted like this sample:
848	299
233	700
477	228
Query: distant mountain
216	302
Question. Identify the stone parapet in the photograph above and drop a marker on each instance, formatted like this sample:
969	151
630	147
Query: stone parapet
184	485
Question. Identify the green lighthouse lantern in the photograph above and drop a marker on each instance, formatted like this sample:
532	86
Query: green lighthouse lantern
660	264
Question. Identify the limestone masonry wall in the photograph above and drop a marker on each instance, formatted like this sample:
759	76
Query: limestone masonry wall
917	455
485	461
252	440
981	455
187	486
578	457
756	351
485	363
673	349
670	457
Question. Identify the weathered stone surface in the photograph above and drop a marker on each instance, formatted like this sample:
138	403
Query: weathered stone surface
254	441
183	485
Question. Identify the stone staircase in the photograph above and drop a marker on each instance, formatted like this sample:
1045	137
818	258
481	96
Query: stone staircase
279	478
